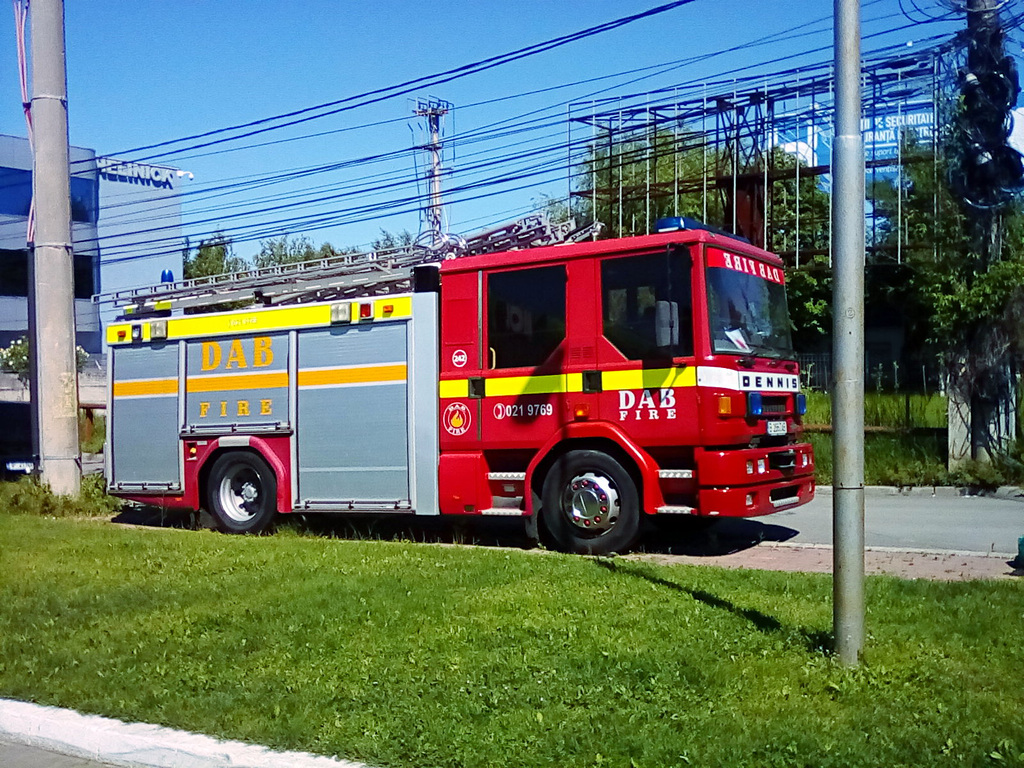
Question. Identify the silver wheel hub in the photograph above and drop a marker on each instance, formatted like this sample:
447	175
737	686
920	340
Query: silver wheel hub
240	495
591	502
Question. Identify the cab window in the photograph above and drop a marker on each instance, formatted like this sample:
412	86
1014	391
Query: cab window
525	316
646	304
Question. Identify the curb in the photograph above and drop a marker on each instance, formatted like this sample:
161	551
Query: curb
138	745
896	550
1007	492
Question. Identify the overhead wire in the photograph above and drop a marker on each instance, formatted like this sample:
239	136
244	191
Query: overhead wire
305	114
253	213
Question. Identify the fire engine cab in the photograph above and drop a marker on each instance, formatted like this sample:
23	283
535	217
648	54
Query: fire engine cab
585	387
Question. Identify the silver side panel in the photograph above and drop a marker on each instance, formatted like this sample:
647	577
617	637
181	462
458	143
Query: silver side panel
423	416
143	426
293	406
352	420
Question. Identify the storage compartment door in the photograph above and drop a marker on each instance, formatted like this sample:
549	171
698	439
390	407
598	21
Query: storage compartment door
353	429
144	418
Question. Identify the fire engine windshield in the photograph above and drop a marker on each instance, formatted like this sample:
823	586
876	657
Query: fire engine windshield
747	309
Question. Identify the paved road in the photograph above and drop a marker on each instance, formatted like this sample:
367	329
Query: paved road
19	756
919	520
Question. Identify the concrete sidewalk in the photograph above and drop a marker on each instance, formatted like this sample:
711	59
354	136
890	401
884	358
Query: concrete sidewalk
34	736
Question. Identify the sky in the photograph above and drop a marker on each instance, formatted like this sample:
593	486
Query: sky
142	72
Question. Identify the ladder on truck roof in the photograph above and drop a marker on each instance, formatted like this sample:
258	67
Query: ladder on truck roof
341	276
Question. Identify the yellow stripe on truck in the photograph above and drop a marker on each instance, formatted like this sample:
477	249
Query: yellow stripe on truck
647	378
263	320
513	386
284	318
365	374
453	388
236	381
611	381
145	387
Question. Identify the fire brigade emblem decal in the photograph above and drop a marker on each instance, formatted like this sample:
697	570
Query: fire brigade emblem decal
456	419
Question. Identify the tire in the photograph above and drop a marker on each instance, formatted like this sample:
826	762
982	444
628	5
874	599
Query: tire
241	493
590	504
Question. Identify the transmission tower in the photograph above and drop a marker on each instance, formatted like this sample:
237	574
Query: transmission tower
434	110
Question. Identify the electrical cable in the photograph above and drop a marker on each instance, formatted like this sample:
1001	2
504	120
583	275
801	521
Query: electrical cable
293	220
379	94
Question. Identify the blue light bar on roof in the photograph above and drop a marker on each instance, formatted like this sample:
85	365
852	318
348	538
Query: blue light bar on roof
680	223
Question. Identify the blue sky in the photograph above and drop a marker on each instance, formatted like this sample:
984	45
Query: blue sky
145	71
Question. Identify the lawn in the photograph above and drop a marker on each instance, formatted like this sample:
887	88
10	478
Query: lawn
403	654
913	458
892	410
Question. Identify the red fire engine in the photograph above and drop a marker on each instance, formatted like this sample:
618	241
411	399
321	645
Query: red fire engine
586	387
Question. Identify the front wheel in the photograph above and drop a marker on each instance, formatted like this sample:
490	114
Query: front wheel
590	504
242	493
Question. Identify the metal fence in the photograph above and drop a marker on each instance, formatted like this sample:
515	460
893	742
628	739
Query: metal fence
882	373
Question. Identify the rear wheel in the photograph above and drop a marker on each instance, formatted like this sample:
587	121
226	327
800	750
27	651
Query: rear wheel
590	504
242	493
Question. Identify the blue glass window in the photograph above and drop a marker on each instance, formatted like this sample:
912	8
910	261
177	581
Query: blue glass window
16	195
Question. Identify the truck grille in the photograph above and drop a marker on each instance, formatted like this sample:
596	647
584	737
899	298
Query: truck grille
775	405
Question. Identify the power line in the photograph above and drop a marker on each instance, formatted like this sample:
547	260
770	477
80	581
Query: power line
380	94
318	219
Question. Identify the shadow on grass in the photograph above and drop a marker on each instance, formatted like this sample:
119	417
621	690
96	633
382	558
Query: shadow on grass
155	517
761	621
695	537
814	640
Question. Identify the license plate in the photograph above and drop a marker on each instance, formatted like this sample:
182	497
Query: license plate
20	466
776	428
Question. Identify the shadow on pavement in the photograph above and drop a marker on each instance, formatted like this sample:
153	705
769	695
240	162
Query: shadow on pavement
695	537
704	537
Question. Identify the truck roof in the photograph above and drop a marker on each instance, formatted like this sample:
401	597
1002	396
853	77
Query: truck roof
602	247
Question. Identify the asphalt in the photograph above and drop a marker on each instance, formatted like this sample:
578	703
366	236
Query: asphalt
21	756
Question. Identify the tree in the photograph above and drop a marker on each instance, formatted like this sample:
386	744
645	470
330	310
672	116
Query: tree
629	185
389	241
214	256
282	250
963	294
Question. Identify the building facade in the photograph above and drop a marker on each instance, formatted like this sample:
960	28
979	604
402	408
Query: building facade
125	231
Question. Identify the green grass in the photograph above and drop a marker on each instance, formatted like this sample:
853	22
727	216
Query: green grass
893	410
905	443
899	458
417	655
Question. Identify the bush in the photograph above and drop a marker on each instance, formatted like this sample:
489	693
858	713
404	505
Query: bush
29	496
986	476
17	359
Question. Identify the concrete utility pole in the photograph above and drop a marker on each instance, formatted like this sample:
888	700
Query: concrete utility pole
52	304
848	340
434	110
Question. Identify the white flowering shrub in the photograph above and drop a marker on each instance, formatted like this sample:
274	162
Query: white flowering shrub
15	359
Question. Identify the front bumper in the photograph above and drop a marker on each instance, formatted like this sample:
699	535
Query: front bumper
754	481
